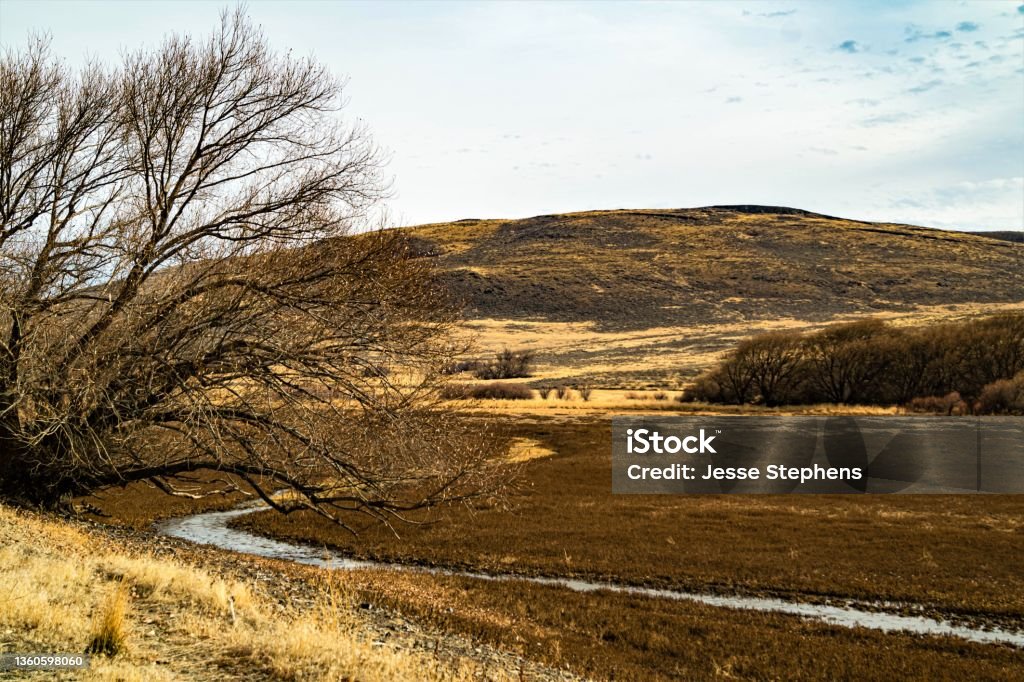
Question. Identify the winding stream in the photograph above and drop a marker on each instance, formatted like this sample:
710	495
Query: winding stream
211	528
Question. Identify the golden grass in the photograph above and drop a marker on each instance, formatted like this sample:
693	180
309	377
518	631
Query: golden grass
637	269
581	353
109	634
634	402
526	449
61	590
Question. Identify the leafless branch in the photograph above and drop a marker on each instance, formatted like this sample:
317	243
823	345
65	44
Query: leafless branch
181	289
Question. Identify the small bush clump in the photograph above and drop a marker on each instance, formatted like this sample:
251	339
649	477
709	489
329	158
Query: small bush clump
1004	396
508	364
461	366
948	404
563	392
585	393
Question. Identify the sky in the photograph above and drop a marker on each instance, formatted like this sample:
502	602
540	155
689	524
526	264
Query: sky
892	111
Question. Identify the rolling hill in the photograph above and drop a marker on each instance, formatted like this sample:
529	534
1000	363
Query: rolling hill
633	269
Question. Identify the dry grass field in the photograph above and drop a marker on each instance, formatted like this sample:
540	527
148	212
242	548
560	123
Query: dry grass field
602	402
662	358
622	637
608	636
954	555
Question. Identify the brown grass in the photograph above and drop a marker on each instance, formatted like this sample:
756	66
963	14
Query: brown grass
604	402
636	269
620	637
138	505
959	555
497	390
811	547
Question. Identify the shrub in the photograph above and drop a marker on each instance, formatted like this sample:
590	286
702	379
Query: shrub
563	392
493	391
585	392
948	404
660	395
508	364
633	395
544	392
461	366
843	362
772	366
1004	396
709	387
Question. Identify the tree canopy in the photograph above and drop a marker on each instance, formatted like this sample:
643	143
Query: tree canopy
181	289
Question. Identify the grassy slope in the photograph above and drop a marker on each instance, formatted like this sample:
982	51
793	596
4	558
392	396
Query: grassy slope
198	616
640	269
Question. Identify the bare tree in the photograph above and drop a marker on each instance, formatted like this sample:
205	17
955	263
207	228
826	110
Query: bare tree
736	376
845	360
180	290
773	361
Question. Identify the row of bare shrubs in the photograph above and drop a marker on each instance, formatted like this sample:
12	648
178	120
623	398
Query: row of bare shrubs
565	392
633	395
1004	396
499	390
873	363
493	391
508	364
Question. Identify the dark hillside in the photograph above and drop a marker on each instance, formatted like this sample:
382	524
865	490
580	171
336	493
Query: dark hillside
647	268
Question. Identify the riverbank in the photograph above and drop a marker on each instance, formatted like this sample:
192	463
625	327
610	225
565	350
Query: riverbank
195	613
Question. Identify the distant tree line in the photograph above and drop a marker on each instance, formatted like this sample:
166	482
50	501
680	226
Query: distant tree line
971	366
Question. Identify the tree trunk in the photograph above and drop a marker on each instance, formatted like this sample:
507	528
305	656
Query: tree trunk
25	477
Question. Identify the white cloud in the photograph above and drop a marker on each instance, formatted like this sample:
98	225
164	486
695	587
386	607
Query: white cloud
560	107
